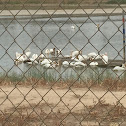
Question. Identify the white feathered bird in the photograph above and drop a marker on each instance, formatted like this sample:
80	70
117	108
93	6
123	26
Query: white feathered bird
93	64
34	58
58	52
82	57
41	56
92	55
105	58
65	63
52	51
47	52
51	65
120	68
28	53
46	61
79	64
75	53
21	57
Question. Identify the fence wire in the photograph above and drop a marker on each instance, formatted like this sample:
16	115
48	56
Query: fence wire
62	63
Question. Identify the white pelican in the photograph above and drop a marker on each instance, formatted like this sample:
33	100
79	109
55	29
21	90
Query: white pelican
75	59
47	52
82	57
51	65
21	57
92	55
28	53
79	64
17	55
75	53
120	68
65	63
48	65
105	58
46	61
16	61
95	56
33	59
72	63
98	57
41	56
67	56
34	56
58	52
52	51
93	64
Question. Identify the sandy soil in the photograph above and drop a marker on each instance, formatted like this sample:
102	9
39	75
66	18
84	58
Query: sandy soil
63	105
75	97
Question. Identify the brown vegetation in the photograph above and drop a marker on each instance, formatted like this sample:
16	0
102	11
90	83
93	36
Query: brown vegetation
100	113
106	84
55	1
52	4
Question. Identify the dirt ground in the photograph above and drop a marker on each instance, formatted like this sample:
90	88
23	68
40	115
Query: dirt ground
65	107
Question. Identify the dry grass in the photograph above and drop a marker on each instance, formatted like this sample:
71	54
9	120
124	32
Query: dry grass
51	4
102	113
54	1
112	84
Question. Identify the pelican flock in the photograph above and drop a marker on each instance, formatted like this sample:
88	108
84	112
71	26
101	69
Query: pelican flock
53	58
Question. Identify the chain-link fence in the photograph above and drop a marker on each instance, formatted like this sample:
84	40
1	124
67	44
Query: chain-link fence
62	63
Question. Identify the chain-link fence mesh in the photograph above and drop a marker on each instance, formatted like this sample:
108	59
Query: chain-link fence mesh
62	63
